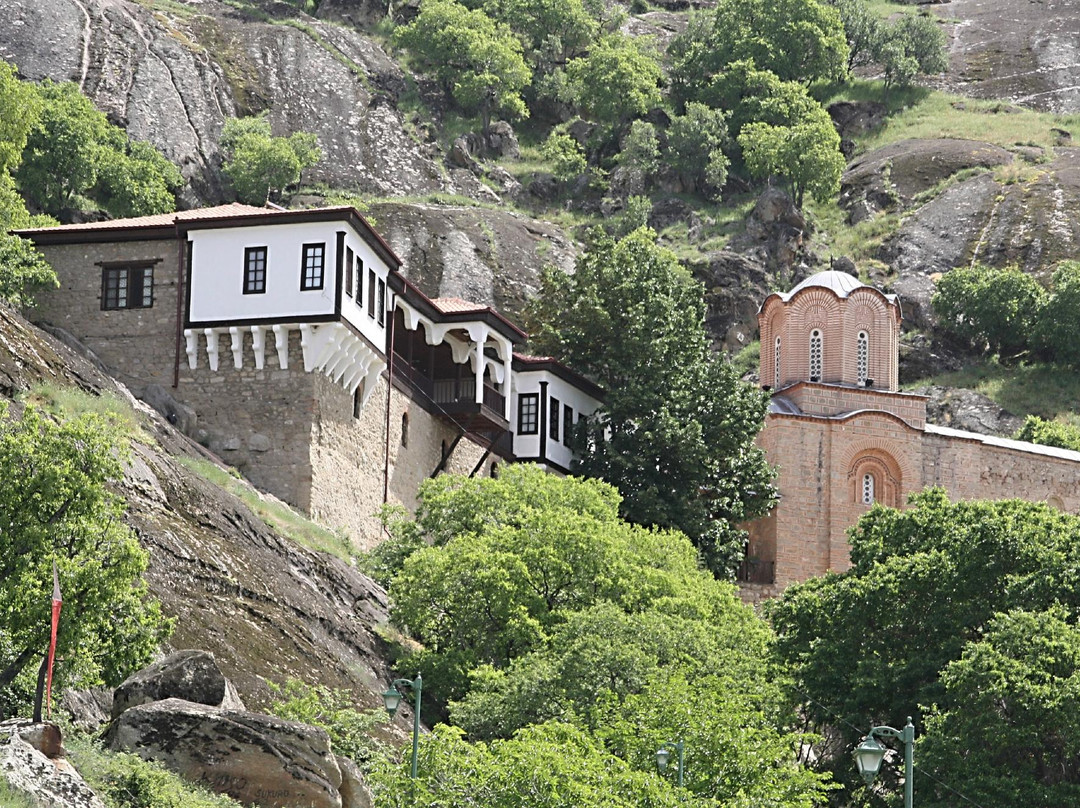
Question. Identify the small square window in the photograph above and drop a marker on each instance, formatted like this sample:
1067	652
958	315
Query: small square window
348	270
254	270
567	424
528	413
311	275
553	419
127	287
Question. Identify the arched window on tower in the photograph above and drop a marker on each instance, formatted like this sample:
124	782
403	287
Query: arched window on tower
868	489
862	358
776	365
816	352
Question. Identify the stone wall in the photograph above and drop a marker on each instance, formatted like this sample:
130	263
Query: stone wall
348	457
828	399
137	345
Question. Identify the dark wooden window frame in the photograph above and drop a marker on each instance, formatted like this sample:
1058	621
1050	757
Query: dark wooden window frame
532	425
312	273
382	302
136	275
254	274
371	293
348	270
567	424
554	413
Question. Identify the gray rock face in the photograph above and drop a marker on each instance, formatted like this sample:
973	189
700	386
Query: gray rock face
253	758
734	285
968	410
481	255
174	78
50	783
190	675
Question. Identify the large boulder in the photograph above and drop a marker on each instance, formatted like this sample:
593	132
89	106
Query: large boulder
49	782
189	675
255	759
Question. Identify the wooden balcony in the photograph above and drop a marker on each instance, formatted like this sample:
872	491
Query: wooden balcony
454	400
755	571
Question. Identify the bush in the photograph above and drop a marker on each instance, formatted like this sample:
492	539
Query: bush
257	163
565	155
1049	433
349	729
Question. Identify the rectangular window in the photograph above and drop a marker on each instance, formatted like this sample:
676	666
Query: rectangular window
553	419
567	424
371	293
382	301
528	413
348	271
311	273
130	287
359	281
254	270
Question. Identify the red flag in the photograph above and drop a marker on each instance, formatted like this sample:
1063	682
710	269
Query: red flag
57	602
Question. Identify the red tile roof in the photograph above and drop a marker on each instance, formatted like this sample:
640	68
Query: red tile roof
455	305
168	219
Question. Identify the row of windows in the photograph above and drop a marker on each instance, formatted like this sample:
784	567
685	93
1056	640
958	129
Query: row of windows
560	419
817	357
312	268
313	272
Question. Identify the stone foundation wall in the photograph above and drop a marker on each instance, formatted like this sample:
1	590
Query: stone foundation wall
137	345
348	457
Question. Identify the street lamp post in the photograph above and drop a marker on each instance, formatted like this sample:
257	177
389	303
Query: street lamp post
869	754
392	700
663	754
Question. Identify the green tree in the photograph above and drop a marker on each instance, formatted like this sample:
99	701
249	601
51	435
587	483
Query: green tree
62	510
551	31
564	154
350	730
137	181
640	148
258	163
868	646
696	144
1056	326
806	154
523	549
910	45
1012	733
798	40
20	110
477	60
994	309
862	28
618	80
1049	433
23	270
73	150
675	434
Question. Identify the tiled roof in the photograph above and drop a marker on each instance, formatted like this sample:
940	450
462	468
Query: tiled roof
455	305
168	219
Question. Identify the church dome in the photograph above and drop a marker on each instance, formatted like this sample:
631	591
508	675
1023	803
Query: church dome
839	283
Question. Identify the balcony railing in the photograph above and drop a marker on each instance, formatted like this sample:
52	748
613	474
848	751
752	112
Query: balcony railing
754	571
454	396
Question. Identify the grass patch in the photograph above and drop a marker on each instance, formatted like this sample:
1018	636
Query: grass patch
916	112
10	798
747	359
65	403
859	242
124	780
1047	390
276	514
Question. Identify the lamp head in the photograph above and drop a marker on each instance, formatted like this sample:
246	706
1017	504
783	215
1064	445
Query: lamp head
868	757
663	754
392	700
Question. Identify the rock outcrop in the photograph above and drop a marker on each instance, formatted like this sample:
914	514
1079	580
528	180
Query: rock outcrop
190	675
36	770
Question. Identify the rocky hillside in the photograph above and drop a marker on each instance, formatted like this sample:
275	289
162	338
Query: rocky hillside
932	183
267	608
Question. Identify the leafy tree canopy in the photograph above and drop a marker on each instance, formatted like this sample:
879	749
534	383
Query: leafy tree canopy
478	61
1056	326
61	510
258	163
1049	433
696	144
990	308
675	434
72	149
798	40
618	80
20	109
869	646
551	31
910	45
